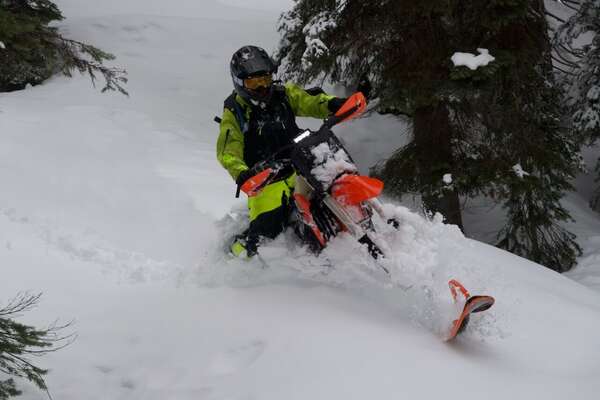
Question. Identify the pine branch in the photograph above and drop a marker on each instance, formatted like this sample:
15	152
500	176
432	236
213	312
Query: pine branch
558	60
72	51
18	342
559	19
577	53
571	4
21	302
33	51
565	61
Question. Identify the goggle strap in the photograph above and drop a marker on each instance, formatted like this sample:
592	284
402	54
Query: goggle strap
238	80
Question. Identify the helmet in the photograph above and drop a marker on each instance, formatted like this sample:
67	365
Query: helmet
253	62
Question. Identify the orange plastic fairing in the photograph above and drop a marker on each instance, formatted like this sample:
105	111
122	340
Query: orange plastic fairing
304	207
356	101
354	189
253	185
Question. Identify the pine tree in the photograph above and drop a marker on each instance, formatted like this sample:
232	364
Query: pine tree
483	127
19	342
577	46
31	51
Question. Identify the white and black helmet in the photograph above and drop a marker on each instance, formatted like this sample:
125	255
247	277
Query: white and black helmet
248	62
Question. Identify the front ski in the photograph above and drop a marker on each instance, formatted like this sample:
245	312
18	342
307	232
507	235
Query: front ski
473	304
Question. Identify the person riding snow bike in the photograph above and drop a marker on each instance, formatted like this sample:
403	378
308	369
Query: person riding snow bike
258	121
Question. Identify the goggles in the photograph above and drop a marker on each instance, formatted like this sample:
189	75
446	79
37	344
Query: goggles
256	82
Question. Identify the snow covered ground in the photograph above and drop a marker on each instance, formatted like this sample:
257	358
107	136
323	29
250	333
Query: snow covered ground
113	208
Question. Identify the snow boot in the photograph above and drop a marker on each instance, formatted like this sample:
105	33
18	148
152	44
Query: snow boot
243	246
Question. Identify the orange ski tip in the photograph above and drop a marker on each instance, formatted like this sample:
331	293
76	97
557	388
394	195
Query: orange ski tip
353	107
454	284
456	327
251	186
474	304
480	303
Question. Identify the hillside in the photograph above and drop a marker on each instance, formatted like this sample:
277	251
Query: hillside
114	208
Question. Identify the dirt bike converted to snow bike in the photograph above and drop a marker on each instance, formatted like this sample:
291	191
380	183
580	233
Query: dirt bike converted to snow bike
330	196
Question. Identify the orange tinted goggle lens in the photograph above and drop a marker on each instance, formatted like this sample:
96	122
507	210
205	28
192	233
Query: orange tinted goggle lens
258	81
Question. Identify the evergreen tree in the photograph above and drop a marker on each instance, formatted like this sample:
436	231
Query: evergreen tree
496	130
31	50
577	47
19	342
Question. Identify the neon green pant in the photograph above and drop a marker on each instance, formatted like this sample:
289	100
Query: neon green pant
269	209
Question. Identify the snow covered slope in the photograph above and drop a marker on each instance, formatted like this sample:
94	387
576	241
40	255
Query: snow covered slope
111	207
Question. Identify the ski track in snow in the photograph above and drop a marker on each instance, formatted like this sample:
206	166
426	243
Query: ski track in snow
128	266
235	359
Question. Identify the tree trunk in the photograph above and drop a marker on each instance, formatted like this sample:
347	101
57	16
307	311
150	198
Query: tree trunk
433	137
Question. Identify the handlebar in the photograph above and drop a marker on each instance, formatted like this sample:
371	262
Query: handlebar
263	173
352	108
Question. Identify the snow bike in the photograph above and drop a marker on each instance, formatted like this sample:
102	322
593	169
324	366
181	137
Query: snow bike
329	195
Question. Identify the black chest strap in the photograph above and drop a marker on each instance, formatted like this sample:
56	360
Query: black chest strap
240	116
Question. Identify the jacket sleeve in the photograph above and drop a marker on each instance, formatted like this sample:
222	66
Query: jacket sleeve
230	145
305	105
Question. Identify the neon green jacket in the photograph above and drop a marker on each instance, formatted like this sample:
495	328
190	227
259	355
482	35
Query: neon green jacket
230	145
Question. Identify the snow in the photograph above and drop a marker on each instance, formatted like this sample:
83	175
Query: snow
312	31
217	10
518	170
587	119
113	208
593	93
330	164
471	60
321	152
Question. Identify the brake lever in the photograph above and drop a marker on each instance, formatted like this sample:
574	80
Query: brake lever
275	168
256	169
336	119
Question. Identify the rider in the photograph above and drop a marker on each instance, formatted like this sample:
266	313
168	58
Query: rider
259	119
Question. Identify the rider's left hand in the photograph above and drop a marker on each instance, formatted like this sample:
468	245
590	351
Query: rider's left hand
364	86
335	104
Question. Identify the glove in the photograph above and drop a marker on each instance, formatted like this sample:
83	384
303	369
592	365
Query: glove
364	86
315	91
335	104
243	177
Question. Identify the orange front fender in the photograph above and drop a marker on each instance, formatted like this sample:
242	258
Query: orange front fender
354	189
